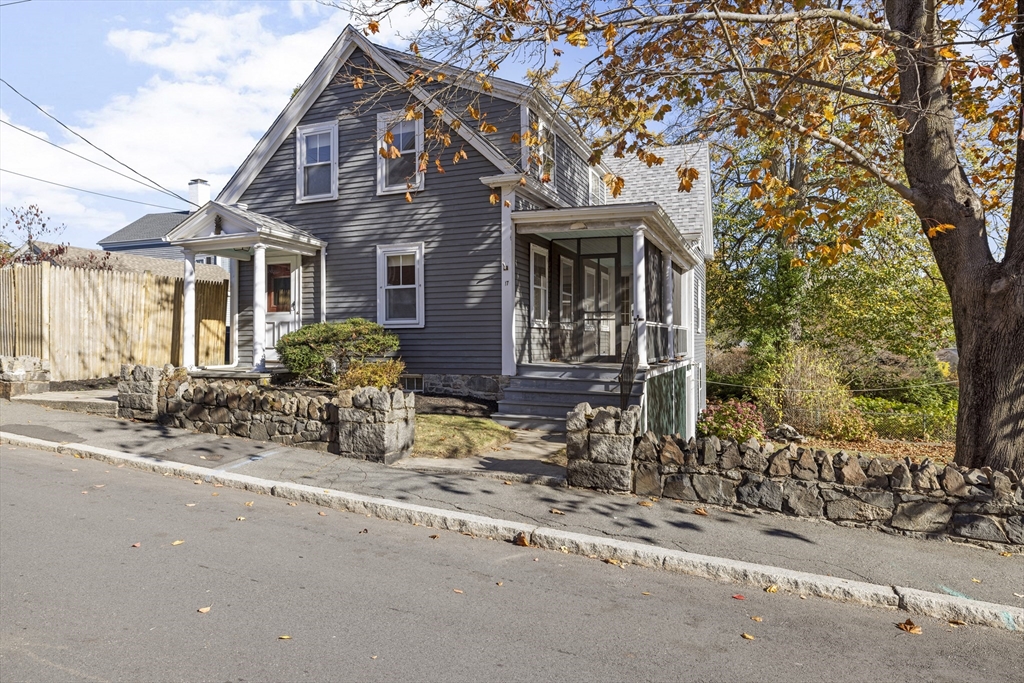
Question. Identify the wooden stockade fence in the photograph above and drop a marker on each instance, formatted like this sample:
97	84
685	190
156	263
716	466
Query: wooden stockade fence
87	322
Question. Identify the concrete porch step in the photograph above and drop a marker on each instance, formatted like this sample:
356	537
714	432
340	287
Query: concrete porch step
97	402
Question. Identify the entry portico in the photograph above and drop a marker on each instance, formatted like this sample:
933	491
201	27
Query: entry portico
275	249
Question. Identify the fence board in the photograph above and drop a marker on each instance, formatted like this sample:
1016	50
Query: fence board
89	321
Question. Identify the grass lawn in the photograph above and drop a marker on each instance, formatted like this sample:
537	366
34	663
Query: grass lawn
454	436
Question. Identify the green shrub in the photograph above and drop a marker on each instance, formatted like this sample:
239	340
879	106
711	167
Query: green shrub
379	374
323	351
731	420
909	421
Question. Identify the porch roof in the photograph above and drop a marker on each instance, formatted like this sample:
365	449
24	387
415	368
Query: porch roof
232	230
607	220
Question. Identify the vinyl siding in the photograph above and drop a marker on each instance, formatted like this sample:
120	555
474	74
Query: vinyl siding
168	252
533	344
245	314
452	216
572	175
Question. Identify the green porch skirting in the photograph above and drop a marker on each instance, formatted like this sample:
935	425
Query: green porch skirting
666	402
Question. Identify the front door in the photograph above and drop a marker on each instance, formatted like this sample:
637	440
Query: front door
599	330
283	300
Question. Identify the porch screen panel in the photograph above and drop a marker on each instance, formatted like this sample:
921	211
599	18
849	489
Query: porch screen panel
666	402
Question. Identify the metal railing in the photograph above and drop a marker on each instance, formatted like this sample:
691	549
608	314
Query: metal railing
627	374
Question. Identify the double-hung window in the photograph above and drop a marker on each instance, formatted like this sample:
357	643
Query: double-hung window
400	285
399	147
316	163
540	149
539	286
598	190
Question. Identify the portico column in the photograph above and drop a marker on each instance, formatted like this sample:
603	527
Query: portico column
640	296
669	299
259	306
188	332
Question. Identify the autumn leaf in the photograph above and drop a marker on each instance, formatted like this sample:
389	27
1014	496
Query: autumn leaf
757	619
322	513
408	198
284	637
909	627
204	610
190	505
645	593
772	589
956	622
456	590
976	580
940	228
495	198
738	597
947	52
755	191
357	83
435	536
365	531
292	504
556	511
612	560
645	503
178	542
701	511
577	39
747	636
1004	554
521	539
250	503
507	483
373	27
239	519
136	545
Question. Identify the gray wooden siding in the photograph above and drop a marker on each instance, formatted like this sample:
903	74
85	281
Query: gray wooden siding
245	314
700	339
533	344
452	216
502	114
168	251
572	175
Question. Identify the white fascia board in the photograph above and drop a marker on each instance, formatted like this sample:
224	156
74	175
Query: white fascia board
290	116
534	190
161	242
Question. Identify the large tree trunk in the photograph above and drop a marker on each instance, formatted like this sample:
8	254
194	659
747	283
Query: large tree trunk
987	296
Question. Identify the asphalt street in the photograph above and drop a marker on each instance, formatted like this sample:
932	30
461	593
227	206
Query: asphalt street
367	600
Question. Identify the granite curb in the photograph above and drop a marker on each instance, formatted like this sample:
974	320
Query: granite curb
720	569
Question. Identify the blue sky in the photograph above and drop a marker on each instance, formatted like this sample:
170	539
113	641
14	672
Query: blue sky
176	90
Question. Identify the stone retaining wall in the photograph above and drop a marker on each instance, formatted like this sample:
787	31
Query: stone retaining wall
23	375
894	495
490	387
365	423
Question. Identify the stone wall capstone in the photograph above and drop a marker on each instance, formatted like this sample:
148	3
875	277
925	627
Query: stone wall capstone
367	423
23	375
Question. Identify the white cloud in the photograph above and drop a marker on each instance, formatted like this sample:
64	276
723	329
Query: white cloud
218	81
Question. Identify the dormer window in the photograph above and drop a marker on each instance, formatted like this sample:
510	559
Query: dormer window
316	162
399	146
540	149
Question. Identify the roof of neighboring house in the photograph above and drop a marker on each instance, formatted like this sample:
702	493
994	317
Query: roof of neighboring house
689	211
152	226
78	257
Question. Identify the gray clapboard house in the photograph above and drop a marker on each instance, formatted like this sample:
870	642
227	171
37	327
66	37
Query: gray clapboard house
512	275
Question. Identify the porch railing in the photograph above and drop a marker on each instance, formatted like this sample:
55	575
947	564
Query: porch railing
658	336
627	374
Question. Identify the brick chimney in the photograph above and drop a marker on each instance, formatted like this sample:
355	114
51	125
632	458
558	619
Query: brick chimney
198	193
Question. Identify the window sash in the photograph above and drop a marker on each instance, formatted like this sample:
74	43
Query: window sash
316	162
400	285
399	174
539	286
567	312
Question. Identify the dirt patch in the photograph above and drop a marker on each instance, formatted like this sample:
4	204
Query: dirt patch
427	404
938	452
455	436
85	384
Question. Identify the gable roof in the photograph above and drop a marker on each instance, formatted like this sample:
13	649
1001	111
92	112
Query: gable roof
314	85
150	228
79	257
217	227
689	211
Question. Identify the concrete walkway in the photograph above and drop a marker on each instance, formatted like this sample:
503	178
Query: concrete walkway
767	539
95	401
525	459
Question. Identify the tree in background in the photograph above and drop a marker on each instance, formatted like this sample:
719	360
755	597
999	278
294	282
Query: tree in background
25	226
920	97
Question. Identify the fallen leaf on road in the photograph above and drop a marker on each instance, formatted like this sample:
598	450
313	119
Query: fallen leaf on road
178	542
564	549
202	457
1019	595
435	536
98	486
218	486
909	627
190	505
1006	554
646	504
373	657
976	580
956	622
78	456
747	636
701	511
457	591
284	637
501	583
136	545
249	503
239	519
198	481
521	540
85	493
738	597
645	593
214	494
293	504
757	619
803	597
507	483
772	589
73	470
365	531
556	511
204	610
322	513
611	560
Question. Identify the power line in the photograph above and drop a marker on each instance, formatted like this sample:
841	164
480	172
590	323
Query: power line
96	163
82	137
818	391
16	2
78	189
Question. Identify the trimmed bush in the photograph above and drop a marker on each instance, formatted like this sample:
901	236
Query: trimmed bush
379	374
323	351
731	420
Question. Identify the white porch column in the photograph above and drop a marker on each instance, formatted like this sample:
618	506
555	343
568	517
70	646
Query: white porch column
668	298
640	296
188	325
323	284
259	306
508	283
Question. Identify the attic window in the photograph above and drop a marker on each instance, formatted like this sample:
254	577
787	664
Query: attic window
540	149
399	146
316	162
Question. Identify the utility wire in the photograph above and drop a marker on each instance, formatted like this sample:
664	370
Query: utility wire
82	137
95	163
16	2
818	391
78	189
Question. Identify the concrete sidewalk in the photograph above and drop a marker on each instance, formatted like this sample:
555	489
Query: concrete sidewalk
800	545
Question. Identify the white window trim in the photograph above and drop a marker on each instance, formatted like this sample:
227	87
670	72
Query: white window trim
536	250
597	181
543	128
383	251
384	121
562	261
300	132
699	317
